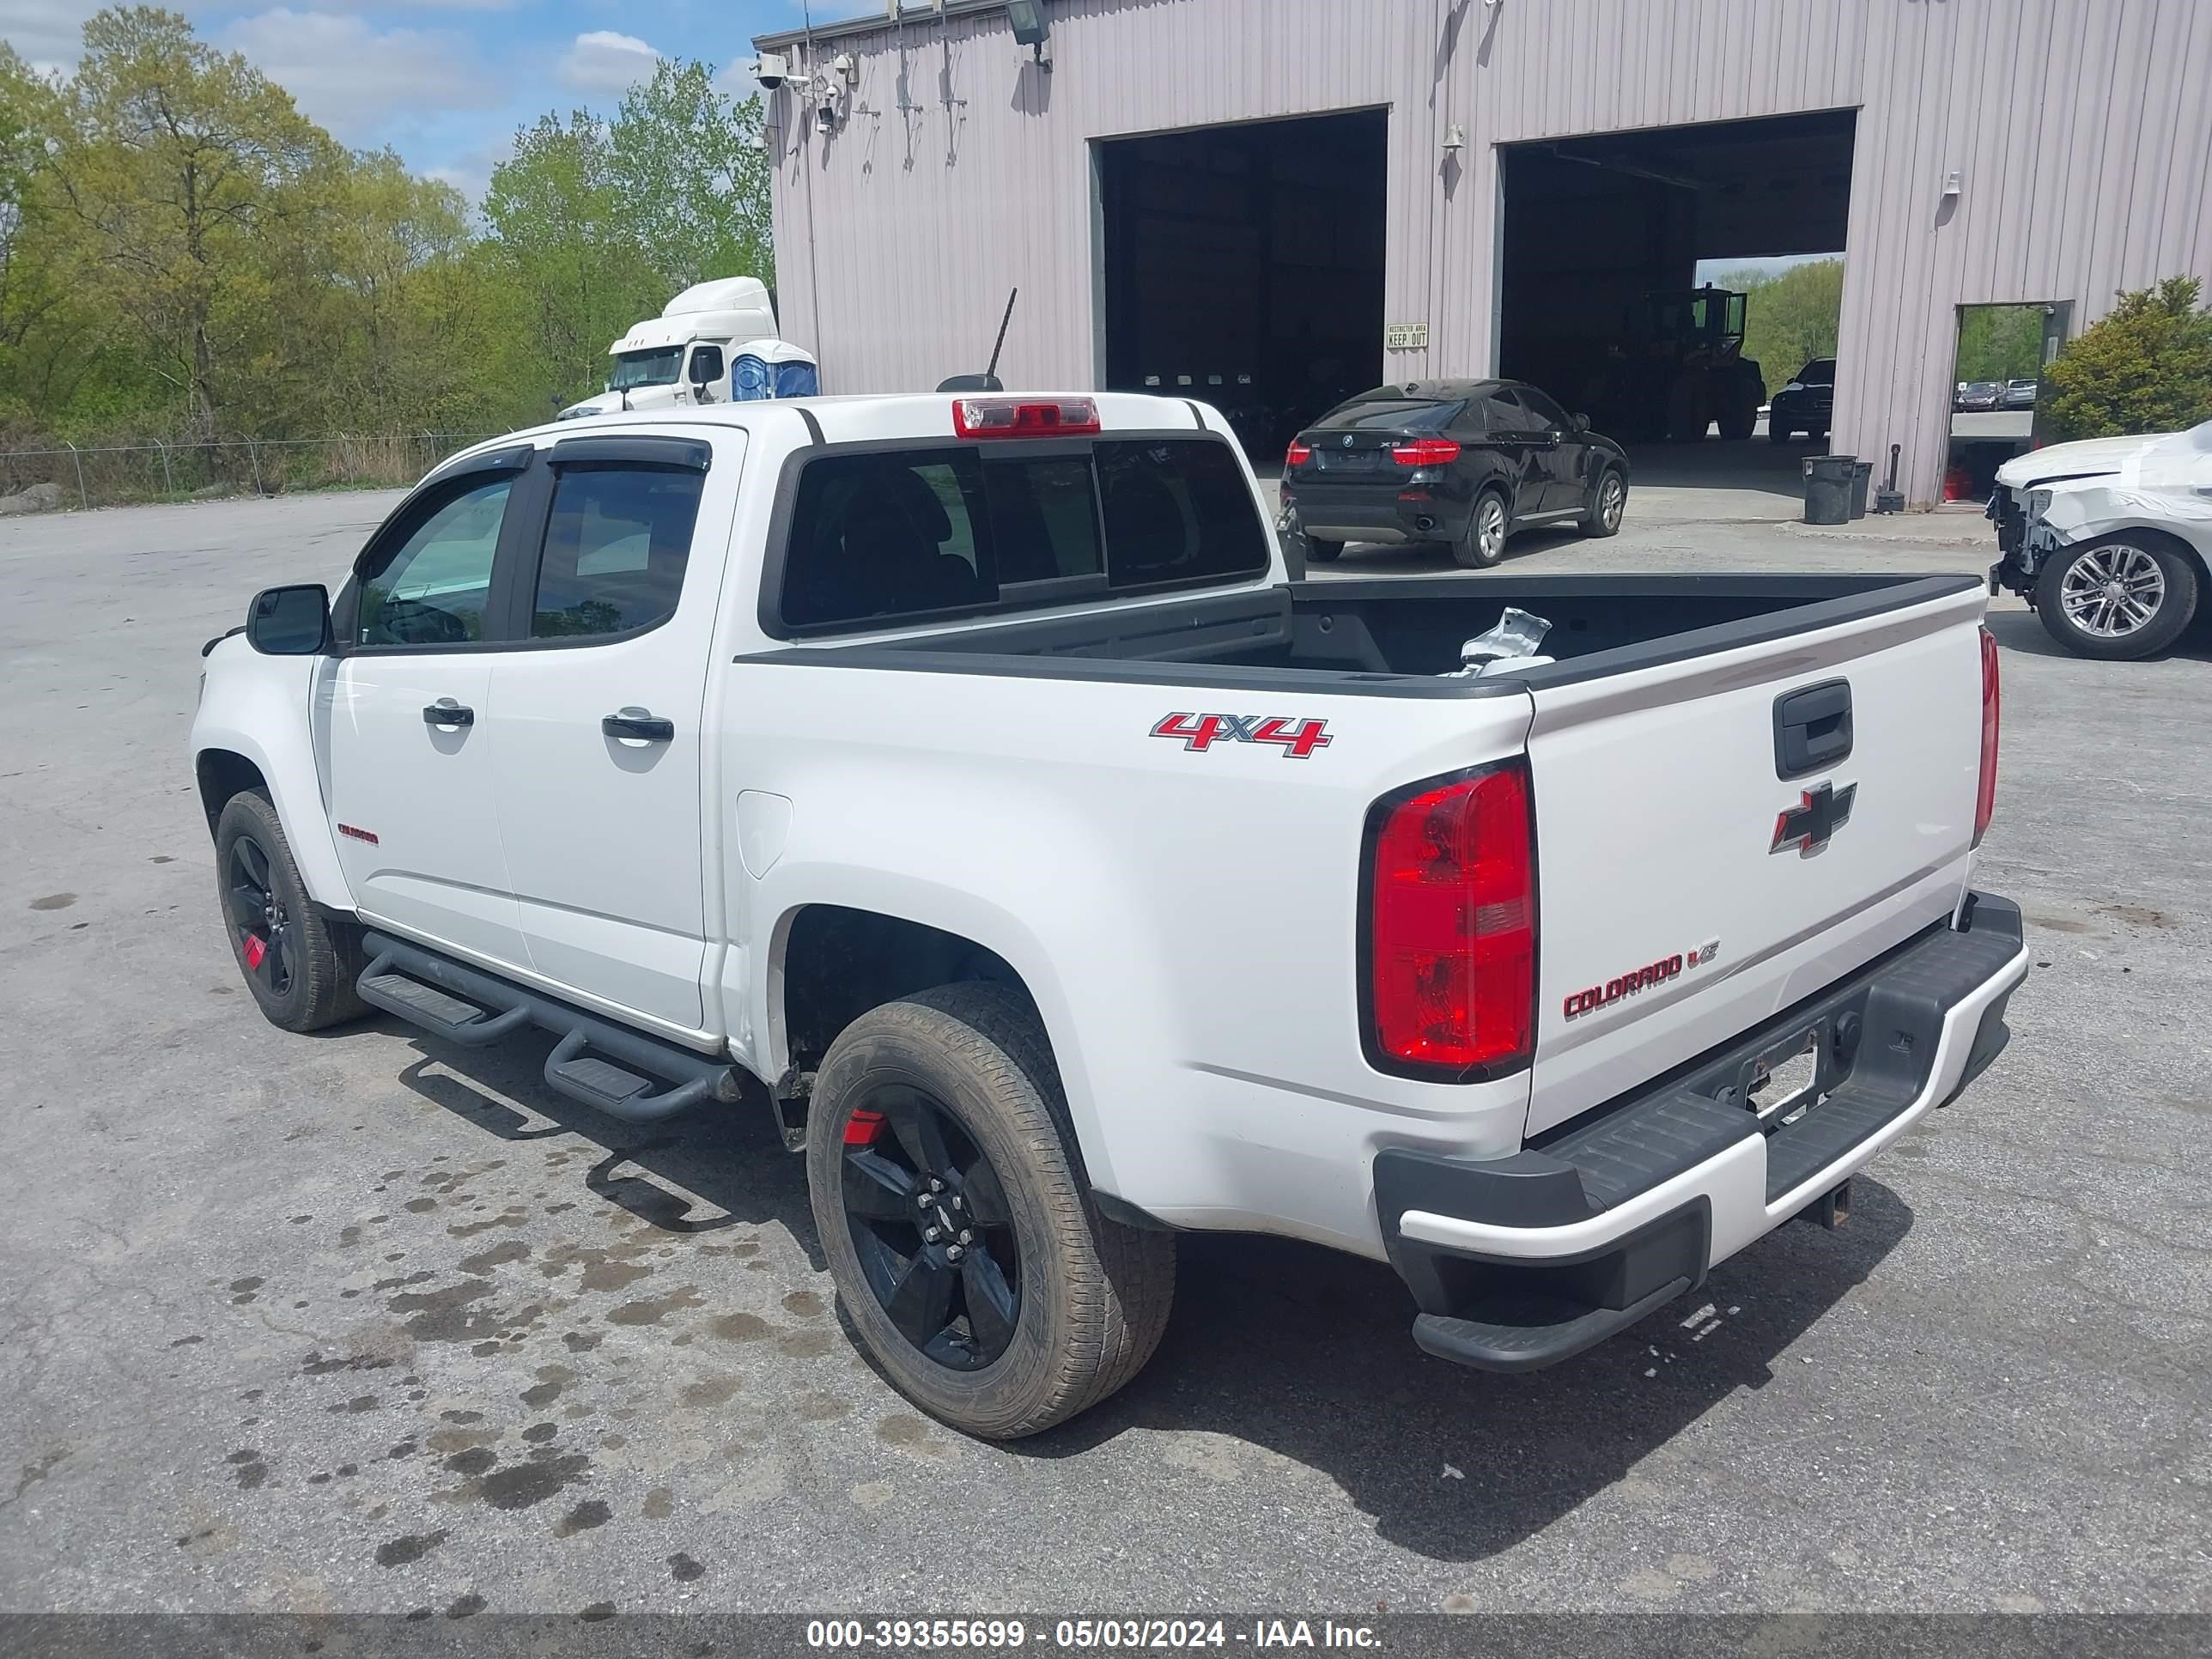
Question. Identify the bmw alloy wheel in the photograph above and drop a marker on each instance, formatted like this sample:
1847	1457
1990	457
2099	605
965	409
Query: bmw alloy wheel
1611	497
1489	528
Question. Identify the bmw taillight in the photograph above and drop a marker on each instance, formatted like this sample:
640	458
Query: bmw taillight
1985	793
1425	452
1451	937
1298	454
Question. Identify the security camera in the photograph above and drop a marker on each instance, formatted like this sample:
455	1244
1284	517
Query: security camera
825	116
844	67
772	70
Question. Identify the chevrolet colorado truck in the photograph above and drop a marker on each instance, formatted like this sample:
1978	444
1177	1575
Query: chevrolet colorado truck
964	780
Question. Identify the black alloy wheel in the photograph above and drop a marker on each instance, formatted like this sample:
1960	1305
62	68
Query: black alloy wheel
929	1221
267	943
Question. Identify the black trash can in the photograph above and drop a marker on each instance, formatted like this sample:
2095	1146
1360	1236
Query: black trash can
1828	488
1862	476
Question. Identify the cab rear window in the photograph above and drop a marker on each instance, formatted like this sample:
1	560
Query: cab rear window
881	535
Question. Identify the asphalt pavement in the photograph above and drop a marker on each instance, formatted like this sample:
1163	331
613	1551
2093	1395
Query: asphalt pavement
362	1322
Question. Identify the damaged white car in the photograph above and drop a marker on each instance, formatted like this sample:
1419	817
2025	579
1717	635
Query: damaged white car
2109	540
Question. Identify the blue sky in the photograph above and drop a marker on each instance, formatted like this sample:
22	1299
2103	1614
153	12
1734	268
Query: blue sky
446	84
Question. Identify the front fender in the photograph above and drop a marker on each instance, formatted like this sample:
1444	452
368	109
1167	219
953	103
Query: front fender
262	708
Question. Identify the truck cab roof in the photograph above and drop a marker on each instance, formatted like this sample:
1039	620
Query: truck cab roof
857	417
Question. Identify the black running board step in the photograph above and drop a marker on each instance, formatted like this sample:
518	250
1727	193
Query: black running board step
608	1068
382	986
600	1084
1531	1346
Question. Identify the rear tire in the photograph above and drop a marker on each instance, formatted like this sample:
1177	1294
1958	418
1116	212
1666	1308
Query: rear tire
1482	544
1605	502
2119	598
300	964
1780	434
1321	552
1050	1307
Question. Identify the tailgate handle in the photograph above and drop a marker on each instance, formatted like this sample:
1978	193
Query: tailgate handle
1812	728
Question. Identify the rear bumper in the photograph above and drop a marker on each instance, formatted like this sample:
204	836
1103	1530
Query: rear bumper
1341	515
1784	411
1519	1262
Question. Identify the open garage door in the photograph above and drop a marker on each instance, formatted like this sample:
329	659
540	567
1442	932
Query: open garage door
1244	266
1615	295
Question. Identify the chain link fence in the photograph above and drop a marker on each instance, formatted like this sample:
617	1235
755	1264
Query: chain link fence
119	474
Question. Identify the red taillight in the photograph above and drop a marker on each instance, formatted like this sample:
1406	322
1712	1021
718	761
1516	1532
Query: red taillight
1986	795
1452	926
1425	452
1298	454
1024	417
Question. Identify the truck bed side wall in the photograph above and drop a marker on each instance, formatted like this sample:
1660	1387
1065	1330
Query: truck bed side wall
1185	920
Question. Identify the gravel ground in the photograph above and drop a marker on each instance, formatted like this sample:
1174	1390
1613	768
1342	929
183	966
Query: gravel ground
359	1322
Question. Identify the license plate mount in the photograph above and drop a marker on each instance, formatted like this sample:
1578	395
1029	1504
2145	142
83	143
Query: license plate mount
1783	1082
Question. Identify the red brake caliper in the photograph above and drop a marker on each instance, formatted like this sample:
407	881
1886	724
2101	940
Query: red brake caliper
862	1128
255	950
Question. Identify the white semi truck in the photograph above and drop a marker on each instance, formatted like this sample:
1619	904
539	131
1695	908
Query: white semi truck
715	343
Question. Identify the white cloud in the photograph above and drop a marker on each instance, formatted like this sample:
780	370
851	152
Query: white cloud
48	32
603	61
354	79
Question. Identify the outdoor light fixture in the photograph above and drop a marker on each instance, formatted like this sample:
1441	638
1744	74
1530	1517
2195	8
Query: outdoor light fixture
1951	181
1455	137
1030	29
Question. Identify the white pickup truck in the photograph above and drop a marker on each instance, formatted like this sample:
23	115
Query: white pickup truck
965	780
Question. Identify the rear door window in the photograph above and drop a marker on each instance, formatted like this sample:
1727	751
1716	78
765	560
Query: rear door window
617	542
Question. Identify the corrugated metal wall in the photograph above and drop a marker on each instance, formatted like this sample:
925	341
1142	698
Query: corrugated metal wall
2082	128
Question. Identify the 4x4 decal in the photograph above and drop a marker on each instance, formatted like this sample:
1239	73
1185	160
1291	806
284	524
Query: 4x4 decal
1299	738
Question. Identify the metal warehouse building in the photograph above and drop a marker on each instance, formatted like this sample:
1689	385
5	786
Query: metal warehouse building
1270	201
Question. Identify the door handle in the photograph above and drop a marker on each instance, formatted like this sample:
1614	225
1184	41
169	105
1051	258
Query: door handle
447	712
1812	728
637	723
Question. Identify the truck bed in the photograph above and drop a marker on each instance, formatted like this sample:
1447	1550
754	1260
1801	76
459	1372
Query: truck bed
1395	636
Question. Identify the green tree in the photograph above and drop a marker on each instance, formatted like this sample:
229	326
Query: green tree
2145	367
176	162
574	278
2000	343
392	341
691	177
1790	319
183	254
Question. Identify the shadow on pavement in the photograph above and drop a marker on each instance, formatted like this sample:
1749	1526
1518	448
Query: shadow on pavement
1279	1350
1306	1354
2020	631
727	1156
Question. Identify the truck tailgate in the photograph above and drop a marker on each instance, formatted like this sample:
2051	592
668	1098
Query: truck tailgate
1701	868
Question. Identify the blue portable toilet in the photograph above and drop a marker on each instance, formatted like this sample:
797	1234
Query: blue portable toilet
773	369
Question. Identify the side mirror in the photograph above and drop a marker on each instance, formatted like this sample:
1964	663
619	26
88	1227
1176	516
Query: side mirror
290	622
1581	422
706	368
